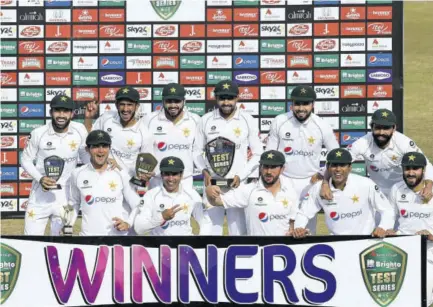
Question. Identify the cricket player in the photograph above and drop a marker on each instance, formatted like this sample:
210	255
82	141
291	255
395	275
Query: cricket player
166	210
415	214
270	204
355	201
61	137
300	135
173	130
382	149
99	192
234	124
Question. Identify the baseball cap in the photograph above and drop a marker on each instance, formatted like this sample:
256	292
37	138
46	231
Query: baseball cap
272	157
173	91
97	137
339	156
226	87
413	159
171	164
303	93
128	92
384	117
62	101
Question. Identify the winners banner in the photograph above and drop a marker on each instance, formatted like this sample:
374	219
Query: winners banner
326	271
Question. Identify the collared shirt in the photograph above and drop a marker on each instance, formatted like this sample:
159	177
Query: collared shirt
301	143
241	130
45	142
127	142
100	197
265	214
173	139
384	165
156	200
412	212
352	210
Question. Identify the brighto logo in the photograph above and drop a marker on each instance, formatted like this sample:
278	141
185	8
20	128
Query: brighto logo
90	200
162	146
122	155
289	151
167	224
418	215
335	216
264	217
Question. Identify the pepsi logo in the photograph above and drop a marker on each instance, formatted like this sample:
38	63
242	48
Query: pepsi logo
89	199
165	225
239	61
105	62
288	151
307	196
162	146
25	109
404	213
334	216
263	217
372	59
346	137
374	168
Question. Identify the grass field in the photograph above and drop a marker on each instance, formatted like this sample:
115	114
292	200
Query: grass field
418	90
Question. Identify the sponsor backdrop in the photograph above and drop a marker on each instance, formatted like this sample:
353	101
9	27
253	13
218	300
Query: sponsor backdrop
331	271
350	51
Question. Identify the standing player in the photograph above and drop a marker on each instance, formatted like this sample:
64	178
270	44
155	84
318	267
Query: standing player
414	212
270	204
167	209
62	138
101	192
234	124
173	129
356	199
300	134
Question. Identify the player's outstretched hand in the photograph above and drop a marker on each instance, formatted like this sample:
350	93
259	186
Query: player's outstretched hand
120	224
426	193
168	214
236	182
47	183
379	233
91	109
299	233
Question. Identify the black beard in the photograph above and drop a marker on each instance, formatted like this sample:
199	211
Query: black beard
417	182
300	119
121	120
223	113
266	184
56	127
168	115
379	142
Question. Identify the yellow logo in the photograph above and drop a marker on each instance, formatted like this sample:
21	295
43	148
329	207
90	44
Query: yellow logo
412	158
226	86
130	143
355	198
173	90
385	114
237	131
125	90
285	203
171	162
311	140
31	214
186	132
73	145
271	156
338	154
112	185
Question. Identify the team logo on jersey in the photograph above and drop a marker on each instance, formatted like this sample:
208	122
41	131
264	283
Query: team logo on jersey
186	132
112	185
334	216
285	202
73	145
355	198
263	217
237	131
130	143
89	199
311	140
162	146
260	202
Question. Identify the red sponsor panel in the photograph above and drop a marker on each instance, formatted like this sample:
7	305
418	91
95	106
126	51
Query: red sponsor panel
299	45
299	29
379	91
379	12
192	77
192	30
352	13
57	46
85	93
352	28
379	28
9	189
111	15
219	30
192	46
8	79
58	78
210	93
246	30
85	15
246	14
25	175
85	31
219	14
165	46
327	76
58	31
111	31
22	143
165	30
8	157
31	31
352	91
138	77
25	188
31	47
273	77
166	61
326	29
300	61
108	94
248	92
31	63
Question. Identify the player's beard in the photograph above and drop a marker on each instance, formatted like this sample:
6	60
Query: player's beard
415	183
271	182
62	125
304	116
174	113
382	142
227	109
126	122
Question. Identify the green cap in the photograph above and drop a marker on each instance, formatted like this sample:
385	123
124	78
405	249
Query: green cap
384	117
414	159
272	157
171	164
226	87
62	101
303	93
339	156
173	91
129	93
98	137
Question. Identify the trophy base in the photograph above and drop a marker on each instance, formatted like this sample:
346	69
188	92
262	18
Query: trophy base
221	182
138	182
67	231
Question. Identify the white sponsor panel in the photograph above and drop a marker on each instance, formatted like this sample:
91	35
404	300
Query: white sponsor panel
219	2
9	142
322	107
219	46
106	107
8	16
272	61
245	45
85	62
30	78
379	43
85	3
58	15
138	62
8	94
165	77
326	13
30	2
31	31
219	61
139	30
191	10
352	60
326	44
327	92
352	44
8	125
265	124
352	1
373	105
299	29
272	14
273	30
165	30
84	47
192	46
301	2
145	109
51	92
333	121
7	205
250	107
195	93
58	47
8	63
111	46
273	92
299	76
8	31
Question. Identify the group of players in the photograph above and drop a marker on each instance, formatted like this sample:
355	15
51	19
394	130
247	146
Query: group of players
273	191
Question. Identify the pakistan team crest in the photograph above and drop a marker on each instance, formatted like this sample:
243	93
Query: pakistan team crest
383	268
166	8
9	270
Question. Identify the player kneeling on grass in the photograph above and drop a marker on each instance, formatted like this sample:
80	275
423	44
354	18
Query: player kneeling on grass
166	210
414	212
352	208
270	204
99	192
